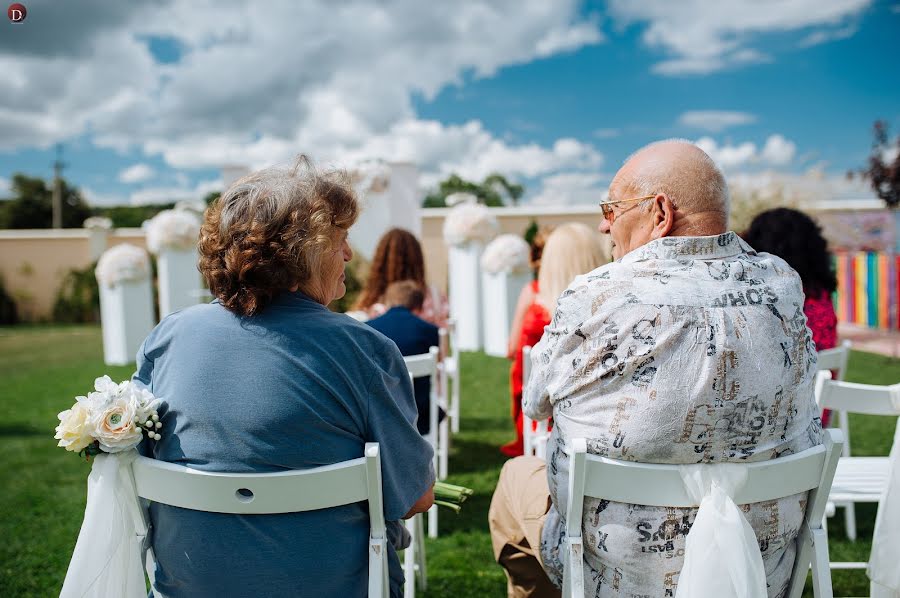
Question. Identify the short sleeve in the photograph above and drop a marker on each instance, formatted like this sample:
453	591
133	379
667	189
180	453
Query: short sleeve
406	457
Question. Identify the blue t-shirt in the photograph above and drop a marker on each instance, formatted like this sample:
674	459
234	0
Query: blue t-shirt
294	387
413	336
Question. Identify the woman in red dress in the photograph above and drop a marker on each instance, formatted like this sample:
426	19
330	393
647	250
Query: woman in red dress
571	249
797	239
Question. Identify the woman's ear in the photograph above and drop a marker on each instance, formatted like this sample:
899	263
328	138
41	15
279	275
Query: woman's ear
663	216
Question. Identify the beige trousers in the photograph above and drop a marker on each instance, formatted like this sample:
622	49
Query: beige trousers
516	518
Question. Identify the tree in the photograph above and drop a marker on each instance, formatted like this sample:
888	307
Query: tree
490	191
883	172
31	205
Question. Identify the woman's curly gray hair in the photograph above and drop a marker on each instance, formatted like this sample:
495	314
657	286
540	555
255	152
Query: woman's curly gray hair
267	233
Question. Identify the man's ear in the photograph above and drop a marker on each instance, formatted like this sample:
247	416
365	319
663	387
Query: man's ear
663	212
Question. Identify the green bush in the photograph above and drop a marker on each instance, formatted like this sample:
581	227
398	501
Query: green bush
78	298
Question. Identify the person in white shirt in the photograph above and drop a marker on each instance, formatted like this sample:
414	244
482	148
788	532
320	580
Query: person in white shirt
689	348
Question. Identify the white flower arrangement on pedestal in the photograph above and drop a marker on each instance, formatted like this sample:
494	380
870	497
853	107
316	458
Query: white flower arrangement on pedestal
468	222
370	176
172	229
98	223
507	254
122	263
112	419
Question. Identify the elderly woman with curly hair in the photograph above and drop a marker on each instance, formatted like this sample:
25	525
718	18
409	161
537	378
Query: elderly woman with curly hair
265	378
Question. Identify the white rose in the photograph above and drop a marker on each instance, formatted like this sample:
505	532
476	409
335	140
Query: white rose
73	432
114	427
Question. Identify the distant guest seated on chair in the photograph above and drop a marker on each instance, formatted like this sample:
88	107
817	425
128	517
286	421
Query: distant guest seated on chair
413	336
266	378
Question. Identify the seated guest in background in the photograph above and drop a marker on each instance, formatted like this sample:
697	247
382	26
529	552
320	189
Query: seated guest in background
529	291
265	378
797	239
690	347
413	336
399	257
571	249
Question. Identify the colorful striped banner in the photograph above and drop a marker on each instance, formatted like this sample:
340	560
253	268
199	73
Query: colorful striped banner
868	289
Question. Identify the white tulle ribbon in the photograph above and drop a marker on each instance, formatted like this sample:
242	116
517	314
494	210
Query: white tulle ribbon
882	569
721	554
107	560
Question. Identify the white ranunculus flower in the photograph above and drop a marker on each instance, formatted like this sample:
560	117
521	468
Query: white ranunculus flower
469	222
122	263
509	254
115	426
173	229
73	431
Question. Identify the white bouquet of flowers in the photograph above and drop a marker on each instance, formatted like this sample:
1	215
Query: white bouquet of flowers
172	229
112	419
108	424
122	263
98	223
508	254
469	222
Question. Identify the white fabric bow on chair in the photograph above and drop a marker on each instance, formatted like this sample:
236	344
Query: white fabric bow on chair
882	570
721	555
107	560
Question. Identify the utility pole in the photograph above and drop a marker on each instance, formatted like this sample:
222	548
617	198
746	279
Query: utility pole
57	187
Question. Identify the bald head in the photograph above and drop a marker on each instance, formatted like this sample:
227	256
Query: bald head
678	169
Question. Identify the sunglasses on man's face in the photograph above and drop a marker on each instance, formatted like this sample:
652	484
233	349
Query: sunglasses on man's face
607	206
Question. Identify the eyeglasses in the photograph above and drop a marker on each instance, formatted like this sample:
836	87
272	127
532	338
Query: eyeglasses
606	206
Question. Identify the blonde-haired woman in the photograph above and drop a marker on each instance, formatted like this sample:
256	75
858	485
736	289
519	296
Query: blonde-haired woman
571	249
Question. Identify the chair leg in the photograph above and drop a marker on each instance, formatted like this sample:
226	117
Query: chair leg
409	560
421	570
850	520
821	570
454	402
443	449
433	522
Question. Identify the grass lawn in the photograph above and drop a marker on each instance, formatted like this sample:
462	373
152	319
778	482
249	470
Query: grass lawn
44	368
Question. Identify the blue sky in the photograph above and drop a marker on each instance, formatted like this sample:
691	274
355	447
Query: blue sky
150	103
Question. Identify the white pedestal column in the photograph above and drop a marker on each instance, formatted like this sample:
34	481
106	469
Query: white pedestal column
126	318
464	263
500	293
179	279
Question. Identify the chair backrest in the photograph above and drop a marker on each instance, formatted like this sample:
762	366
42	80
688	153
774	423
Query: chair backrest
835	359
265	493
447	336
869	399
661	485
420	366
534	434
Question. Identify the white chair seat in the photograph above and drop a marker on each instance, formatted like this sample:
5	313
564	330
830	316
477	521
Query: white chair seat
859	479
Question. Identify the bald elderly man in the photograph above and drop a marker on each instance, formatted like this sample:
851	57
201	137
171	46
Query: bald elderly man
689	348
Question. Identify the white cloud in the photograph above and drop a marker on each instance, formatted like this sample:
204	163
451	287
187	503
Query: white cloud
820	37
136	173
5	187
702	37
715	120
153	195
777	151
572	188
607	133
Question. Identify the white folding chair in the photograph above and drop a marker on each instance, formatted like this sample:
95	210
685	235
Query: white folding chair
858	479
414	569
662	486
835	360
535	434
450	363
420	366
265	493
